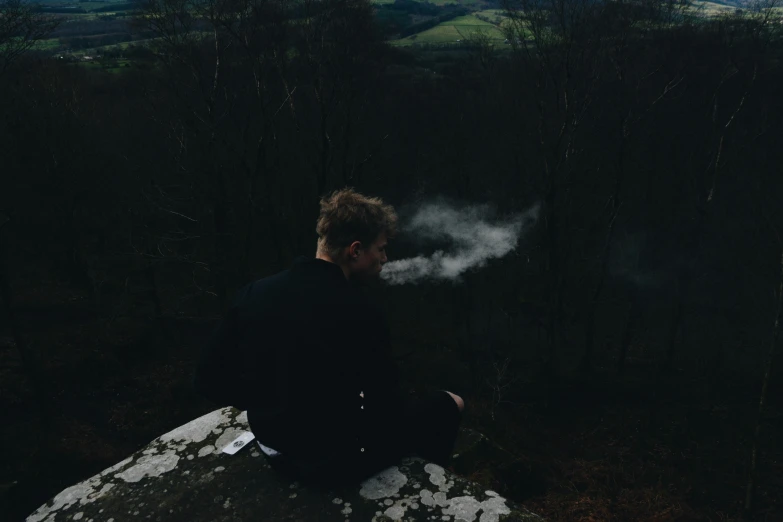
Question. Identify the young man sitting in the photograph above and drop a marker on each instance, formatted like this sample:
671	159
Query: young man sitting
306	353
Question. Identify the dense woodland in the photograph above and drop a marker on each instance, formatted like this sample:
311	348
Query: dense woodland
622	355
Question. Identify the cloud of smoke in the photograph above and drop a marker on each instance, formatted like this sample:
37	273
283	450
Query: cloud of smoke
472	236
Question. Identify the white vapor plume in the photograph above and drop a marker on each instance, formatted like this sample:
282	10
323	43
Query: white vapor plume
473	238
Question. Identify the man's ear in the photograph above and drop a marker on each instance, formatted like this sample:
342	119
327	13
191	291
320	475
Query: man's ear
355	249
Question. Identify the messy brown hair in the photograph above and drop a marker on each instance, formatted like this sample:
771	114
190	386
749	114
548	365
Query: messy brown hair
348	216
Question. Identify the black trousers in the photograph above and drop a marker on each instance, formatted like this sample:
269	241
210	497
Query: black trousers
428	429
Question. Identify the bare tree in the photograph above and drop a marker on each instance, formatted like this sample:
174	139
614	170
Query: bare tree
625	25
566	47
753	457
196	44
754	452
254	81
28	357
737	31
21	27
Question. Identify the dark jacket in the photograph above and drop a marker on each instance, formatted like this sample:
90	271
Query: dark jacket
297	350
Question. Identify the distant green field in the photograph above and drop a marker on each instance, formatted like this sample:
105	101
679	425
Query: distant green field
85	10
125	45
49	44
711	8
455	30
89	6
117	67
458	2
492	13
85	5
467	20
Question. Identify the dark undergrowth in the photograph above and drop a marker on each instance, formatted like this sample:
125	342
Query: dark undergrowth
595	449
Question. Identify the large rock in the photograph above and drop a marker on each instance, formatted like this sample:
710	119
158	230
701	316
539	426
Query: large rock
184	476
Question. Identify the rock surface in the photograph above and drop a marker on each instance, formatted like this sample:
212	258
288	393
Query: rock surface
184	476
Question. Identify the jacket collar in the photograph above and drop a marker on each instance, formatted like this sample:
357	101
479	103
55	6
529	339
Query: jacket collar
315	265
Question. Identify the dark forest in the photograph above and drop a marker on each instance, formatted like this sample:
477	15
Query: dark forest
623	354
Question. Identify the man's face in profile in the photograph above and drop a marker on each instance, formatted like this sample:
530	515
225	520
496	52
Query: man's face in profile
367	267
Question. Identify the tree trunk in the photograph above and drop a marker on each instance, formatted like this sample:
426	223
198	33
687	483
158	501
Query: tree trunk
749	490
555	283
629	331
323	177
29	361
676	323
154	294
587	358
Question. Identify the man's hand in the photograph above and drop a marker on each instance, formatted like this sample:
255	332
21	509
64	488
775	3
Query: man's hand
458	400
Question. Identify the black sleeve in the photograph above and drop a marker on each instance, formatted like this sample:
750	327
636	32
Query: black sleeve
386	372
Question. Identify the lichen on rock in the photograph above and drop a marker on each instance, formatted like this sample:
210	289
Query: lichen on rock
164	481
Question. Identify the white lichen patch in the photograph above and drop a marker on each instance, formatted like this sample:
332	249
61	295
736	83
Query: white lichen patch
116	467
426	498
494	507
395	512
437	474
219	469
206	450
227	438
84	493
347	510
150	465
433	499
383	484
105	489
466	508
337	501
199	429
397	509
78	516
242	417
255	454
463	509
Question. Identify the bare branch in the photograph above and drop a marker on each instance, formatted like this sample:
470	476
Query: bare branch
21	27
